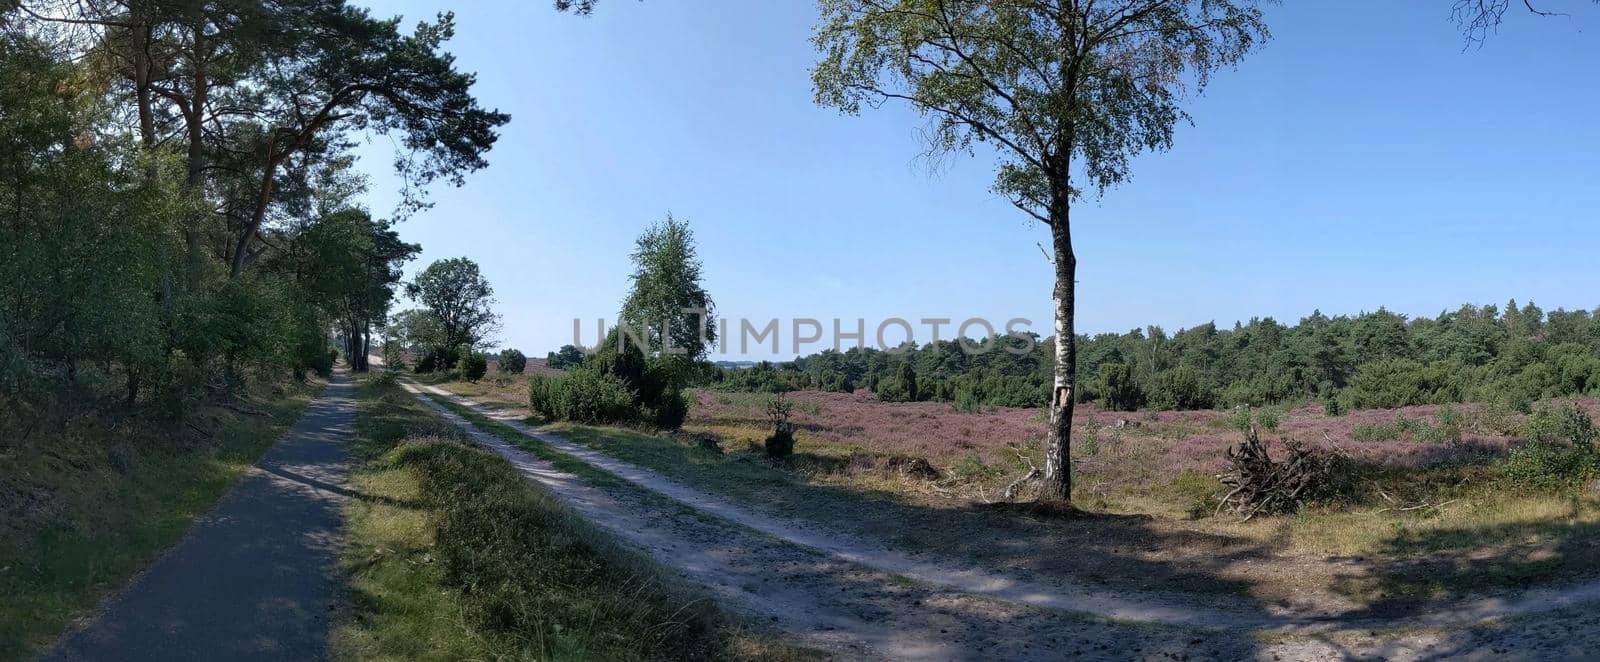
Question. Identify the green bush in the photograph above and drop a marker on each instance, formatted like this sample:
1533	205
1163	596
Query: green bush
1180	388
1560	450
1449	423
1241	418
582	395
438	359
902	386
1400	428
1561	425
1198	492
1332	404
1118	390
967	403
512	361
1394	383
670	410
1548	466
543	396
472	365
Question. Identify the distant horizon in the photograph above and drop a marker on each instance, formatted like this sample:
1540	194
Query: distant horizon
716	356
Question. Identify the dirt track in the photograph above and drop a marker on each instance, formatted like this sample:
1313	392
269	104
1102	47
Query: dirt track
856	599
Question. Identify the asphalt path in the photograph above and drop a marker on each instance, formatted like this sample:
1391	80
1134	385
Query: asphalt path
254	579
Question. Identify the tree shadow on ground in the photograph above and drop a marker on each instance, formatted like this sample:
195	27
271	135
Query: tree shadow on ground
1416	570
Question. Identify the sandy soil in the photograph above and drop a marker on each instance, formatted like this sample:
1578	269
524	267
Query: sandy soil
861	600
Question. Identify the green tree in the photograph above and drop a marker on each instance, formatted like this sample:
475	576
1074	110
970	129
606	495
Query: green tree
1118	390
416	330
351	267
460	298
257	97
569	356
512	361
667	303
1067	92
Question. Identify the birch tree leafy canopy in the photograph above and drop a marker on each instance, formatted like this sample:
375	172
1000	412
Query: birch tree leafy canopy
1066	91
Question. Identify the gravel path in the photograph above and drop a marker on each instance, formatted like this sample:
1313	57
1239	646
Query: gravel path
255	578
737	559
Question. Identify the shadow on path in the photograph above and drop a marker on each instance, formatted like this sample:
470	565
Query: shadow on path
255	578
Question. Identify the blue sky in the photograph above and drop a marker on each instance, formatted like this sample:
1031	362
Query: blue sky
1360	159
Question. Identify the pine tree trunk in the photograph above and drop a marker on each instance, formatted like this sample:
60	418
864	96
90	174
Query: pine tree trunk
1057	485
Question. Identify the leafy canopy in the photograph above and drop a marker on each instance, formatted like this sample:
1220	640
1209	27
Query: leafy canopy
666	283
1056	86
460	298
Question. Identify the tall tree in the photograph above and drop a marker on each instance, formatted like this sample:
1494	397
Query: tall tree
1067	91
257	95
351	266
460	298
667	301
357	73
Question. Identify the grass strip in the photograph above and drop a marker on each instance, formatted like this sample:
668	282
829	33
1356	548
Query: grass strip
452	554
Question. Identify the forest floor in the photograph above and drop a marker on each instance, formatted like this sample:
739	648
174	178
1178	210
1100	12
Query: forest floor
1117	570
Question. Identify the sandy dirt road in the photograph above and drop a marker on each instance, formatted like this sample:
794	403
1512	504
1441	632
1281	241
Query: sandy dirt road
857	599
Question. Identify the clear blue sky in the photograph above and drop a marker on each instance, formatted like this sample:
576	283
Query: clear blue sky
1360	159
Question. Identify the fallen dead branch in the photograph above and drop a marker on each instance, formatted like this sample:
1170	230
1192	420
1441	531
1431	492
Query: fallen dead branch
1010	492
1261	484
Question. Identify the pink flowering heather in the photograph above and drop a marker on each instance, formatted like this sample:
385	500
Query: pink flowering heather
1174	441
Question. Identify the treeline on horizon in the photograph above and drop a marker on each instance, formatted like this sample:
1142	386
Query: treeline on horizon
1513	355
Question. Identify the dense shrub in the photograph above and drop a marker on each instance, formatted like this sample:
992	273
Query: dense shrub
670	410
780	445
1560	450
1118	391
583	395
1449	422
1332	405
1393	383
902	386
438	359
569	356
1180	388
1401	427
512	361
1561	425
472	365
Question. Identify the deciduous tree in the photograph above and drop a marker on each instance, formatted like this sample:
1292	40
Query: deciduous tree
667	301
1067	92
460	298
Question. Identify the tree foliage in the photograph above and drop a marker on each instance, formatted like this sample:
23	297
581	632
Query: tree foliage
667	302
1066	92
180	209
1514	354
460	298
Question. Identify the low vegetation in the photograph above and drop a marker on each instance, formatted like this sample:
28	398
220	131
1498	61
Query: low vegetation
614	384
454	555
918	475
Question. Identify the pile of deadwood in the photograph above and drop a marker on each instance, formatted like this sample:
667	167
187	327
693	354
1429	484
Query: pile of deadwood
1259	484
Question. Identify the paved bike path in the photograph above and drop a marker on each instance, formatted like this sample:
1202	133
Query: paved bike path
255	578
